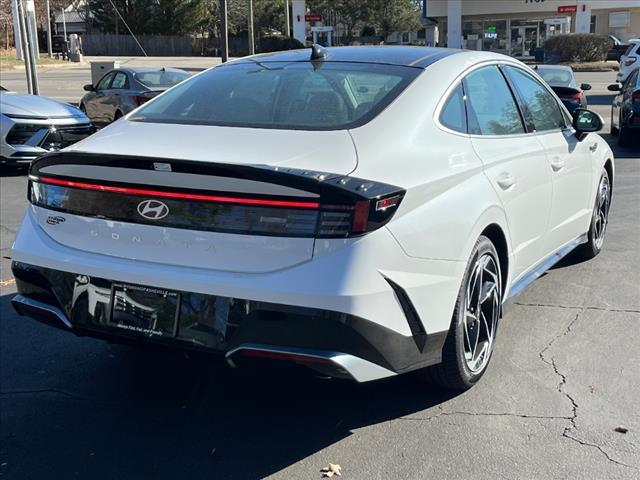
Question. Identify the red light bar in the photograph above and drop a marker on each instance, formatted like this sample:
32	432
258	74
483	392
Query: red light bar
292	357
176	195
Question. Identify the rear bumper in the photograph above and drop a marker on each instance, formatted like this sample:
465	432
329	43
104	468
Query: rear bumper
333	343
364	298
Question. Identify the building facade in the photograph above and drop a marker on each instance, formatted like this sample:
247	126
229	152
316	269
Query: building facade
518	27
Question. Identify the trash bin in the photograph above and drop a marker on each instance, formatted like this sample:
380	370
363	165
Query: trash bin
538	55
99	69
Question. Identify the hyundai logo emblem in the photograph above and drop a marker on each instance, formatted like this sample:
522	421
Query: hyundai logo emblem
153	209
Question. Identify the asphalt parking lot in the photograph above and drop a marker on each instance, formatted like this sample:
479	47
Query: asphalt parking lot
563	378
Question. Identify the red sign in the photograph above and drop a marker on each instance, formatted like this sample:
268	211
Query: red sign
313	18
568	9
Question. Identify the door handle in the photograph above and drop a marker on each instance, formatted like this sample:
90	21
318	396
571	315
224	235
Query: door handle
593	147
557	164
506	180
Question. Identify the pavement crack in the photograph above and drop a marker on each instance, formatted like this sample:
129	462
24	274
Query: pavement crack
561	388
577	307
487	414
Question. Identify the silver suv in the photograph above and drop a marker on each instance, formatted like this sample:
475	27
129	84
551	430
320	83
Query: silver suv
31	126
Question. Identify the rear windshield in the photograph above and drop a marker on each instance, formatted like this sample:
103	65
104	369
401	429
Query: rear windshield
557	77
293	95
160	78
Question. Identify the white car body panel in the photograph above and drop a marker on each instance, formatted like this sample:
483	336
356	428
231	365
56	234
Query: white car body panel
457	185
325	151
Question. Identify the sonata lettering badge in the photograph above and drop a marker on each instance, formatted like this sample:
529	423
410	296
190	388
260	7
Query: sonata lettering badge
153	209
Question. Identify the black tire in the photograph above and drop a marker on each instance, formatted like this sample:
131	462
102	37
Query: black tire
117	115
624	140
596	240
454	372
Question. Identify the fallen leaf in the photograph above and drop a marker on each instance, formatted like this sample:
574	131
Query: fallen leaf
331	470
621	429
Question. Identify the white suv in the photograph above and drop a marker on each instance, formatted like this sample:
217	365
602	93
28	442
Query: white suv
629	61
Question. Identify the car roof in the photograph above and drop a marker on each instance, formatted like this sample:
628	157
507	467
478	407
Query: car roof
149	69
408	56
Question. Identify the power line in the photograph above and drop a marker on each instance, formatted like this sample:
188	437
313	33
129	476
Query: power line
127	25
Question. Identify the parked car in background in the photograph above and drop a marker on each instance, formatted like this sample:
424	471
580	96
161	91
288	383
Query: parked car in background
561	79
629	61
122	90
32	125
625	110
618	47
365	211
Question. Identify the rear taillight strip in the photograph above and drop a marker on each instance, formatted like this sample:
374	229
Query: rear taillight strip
177	195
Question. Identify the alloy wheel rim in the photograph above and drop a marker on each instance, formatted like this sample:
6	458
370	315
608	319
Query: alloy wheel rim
481	312
601	212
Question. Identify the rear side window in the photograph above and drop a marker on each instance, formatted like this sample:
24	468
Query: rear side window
539	102
293	95
453	114
491	107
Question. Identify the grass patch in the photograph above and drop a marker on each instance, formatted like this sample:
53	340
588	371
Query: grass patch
8	60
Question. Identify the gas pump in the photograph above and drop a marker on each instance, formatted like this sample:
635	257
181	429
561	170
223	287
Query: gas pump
322	35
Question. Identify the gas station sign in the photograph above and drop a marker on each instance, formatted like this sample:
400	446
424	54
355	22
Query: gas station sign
568	9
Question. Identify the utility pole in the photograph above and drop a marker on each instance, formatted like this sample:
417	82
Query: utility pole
30	25
252	40
287	28
64	25
27	52
49	44
224	31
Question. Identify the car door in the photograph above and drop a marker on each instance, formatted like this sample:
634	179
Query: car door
95	106
92	103
117	92
514	160
626	98
569	161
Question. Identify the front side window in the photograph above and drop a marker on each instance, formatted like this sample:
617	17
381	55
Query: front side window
105	81
120	80
539	102
453	114
492	109
286	95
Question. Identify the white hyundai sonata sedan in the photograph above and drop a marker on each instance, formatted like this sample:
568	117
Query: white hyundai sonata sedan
365	211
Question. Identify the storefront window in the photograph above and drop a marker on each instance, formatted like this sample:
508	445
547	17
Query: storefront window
495	36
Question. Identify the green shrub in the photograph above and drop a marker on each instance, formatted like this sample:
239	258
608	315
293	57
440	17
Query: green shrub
578	47
276	43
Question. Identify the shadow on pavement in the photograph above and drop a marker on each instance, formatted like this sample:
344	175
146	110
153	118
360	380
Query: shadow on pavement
105	411
13	171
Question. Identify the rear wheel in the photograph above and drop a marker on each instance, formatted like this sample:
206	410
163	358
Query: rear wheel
599	219
625	137
469	345
117	115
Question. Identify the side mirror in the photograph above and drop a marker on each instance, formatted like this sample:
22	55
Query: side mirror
585	121
614	87
585	86
89	87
